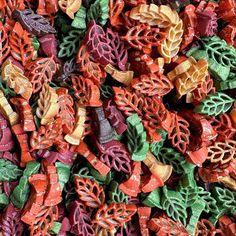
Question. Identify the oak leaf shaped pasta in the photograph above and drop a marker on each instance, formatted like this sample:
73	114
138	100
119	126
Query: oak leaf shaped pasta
47	104
4	43
86	91
40	71
179	133
114	215
21	44
89	68
167	226
89	192
152	84
128	102
16	80
66	110
33	23
222	152
143	37
162	16
169	47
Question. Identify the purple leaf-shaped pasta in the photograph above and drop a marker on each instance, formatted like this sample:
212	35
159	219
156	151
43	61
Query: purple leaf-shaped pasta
80	220
115	155
11	223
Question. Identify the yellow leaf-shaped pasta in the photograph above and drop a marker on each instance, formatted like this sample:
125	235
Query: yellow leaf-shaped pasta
162	16
6	110
47	104
70	7
169	47
16	80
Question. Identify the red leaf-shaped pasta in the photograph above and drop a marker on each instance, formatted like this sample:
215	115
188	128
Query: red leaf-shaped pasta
4	43
89	192
179	133
114	215
40	71
128	102
20	44
8	6
152	85
66	110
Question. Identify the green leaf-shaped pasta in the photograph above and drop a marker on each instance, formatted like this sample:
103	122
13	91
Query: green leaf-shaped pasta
136	136
9	171
173	203
106	91
99	11
63	173
153	199
171	157
115	194
215	104
70	43
79	21
156	146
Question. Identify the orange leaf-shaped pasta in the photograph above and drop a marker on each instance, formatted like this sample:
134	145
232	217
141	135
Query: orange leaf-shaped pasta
66	110
179	133
89	192
8	6
222	152
70	7
128	102
89	68
116	7
152	84
143	37
162	16
47	104
86	91
4	43
16	80
7	111
79	127
40	71
169	47
21	44
46	136
114	215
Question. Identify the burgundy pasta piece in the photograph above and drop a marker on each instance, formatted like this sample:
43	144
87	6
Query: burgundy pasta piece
9	186
48	44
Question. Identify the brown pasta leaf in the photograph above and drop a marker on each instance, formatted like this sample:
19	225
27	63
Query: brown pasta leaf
89	192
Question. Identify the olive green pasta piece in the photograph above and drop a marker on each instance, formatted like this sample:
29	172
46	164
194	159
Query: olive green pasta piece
9	171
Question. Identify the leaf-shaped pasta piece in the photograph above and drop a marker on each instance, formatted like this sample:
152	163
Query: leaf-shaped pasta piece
172	202
215	104
176	160
86	91
8	171
98	11
10	221
115	9
16	80
222	152
20	44
136	136
166	226
40	71
44	220
169	47
116	195
33	23
47	104
179	133
152	85
89	192
205	227
89	68
8	6
66	110
114	215
128	102
4	43
46	136
80	220
162	16
143	37
70	43
70	7
79	21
